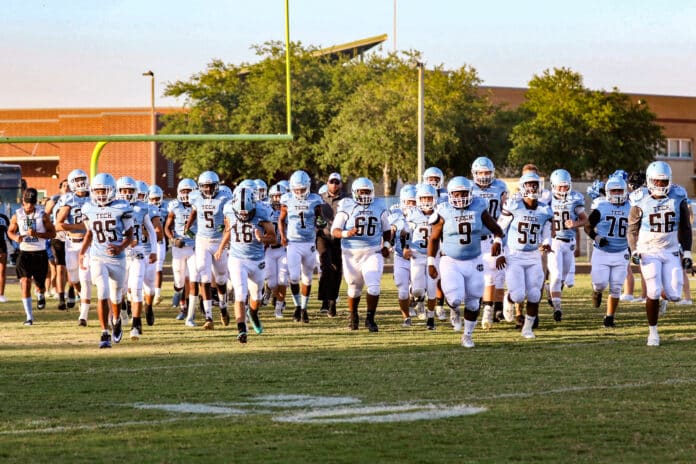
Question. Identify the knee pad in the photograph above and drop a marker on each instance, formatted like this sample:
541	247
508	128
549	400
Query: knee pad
454	304
418	292
534	295
373	290
471	304
517	296
615	290
599	286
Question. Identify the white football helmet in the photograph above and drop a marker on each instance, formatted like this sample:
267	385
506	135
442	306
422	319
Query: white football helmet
658	171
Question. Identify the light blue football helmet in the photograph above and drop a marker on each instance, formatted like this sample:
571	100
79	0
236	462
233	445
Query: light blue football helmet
78	181
275	193
143	190
617	190
620	172
248	184
407	197
285	184
530	185
183	189
103	189
126	189
363	191
460	192
560	178
208	184
482	171
426	197
323	189
434	177
244	203
261	189
155	195
300	184
594	191
658	171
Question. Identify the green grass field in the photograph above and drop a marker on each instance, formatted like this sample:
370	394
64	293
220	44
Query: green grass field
320	393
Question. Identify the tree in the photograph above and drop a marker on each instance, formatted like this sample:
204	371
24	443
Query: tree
589	133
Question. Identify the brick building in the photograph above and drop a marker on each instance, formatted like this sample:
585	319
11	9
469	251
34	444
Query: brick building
45	164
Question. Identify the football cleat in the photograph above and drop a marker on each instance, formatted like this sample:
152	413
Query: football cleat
609	322
225	317
654	340
70	303
685	302
407	323
305	316
420	310
62	306
242	337
353	321
255	321
41	301
456	319
297	315
149	315
528	333
28	322
557	315
118	331
105	341
467	341
190	323
487	318
596	299
135	334
430	323
82	323
332	309
628	298
209	324
663	307
441	313
371	325
279	311
157	300
181	316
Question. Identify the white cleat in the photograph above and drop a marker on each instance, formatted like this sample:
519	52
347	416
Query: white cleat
420	310
528	333
627	298
508	309
467	341
441	313
685	303
487	318
663	307
456	320
190	323
135	334
654	340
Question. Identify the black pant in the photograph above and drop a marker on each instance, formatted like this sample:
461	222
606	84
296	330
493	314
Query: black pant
329	250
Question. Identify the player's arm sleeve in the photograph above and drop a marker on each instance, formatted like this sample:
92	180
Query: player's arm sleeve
338	223
684	234
634	218
546	233
149	227
592	221
504	220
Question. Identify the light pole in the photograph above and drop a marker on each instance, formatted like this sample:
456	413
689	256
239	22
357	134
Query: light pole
421	120
153	126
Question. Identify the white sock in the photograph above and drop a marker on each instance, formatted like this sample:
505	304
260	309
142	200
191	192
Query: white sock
158	292
84	310
208	308
304	300
193	301
26	302
556	303
653	330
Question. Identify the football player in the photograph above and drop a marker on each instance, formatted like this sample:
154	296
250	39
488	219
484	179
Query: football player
659	235
568	215
527	224
607	226
362	224
495	193
109	225
459	224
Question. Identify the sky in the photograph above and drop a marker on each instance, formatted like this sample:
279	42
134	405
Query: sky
76	53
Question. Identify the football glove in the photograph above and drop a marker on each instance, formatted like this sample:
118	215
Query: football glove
686	260
635	257
601	241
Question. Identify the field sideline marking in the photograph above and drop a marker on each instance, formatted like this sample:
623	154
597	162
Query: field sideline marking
554	391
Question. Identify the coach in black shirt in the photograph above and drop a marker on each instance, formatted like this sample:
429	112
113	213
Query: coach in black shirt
329	248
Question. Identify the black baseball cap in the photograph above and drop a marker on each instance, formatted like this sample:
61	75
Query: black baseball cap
30	196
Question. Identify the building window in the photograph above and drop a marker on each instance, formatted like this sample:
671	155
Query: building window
170	174
677	148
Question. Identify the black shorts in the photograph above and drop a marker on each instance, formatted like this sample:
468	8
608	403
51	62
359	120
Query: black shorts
58	249
33	264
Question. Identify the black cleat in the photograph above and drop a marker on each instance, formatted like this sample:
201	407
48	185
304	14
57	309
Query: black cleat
41	302
305	316
609	322
297	316
149	315
82	323
332	309
118	331
596	299
242	337
372	326
353	321
557	315
430	323
62	306
498	316
519	322
105	341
